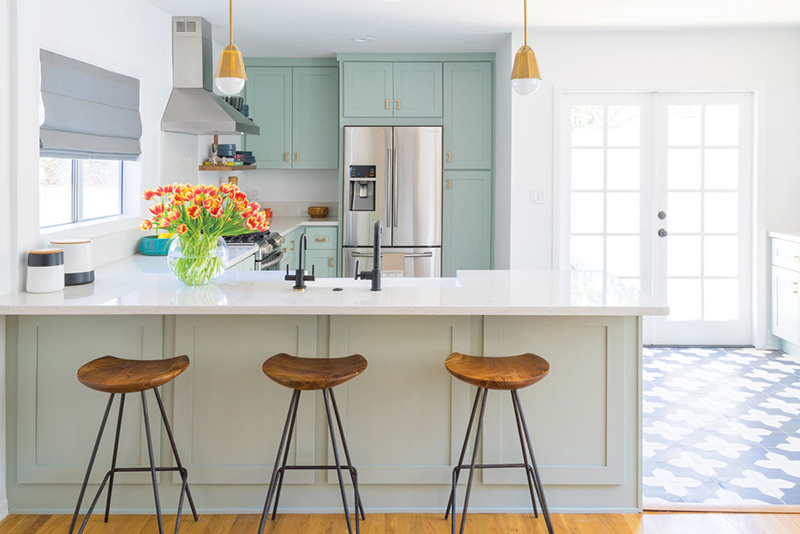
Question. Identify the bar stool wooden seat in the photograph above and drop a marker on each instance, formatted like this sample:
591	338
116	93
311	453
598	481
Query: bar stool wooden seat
509	373
120	376
311	374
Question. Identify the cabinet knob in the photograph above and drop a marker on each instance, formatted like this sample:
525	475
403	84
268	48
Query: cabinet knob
285	156
297	156
398	104
448	183
387	104
662	233
448	156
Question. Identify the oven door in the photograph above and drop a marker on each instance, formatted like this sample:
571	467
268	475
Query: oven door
272	262
417	262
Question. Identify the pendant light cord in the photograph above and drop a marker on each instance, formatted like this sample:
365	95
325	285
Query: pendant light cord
525	3
230	21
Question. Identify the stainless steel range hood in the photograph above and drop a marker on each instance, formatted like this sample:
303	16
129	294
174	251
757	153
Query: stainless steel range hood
192	107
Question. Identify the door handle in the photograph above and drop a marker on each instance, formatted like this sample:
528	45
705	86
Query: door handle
448	156
398	104
388	185
662	215
662	233
330	262
285	156
396	187
448	183
387	104
297	156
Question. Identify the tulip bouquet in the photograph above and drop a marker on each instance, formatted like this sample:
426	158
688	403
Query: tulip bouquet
200	215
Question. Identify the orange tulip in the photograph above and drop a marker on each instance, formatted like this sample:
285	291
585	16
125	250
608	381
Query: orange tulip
216	212
173	215
182	229
164	223
194	212
251	223
146	225
148	194
157	210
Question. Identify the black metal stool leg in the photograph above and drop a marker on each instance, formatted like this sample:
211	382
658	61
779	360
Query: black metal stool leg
537	478
525	457
353	472
285	458
114	456
338	465
181	470
91	463
472	468
273	478
152	463
457	468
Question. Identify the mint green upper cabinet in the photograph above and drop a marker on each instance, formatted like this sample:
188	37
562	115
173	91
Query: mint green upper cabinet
368	89
467	213
269	94
315	131
468	115
417	89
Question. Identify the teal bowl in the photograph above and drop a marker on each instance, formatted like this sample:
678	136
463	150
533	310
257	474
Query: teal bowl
153	246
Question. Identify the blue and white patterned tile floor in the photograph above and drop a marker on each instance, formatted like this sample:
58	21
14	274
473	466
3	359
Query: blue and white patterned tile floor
721	428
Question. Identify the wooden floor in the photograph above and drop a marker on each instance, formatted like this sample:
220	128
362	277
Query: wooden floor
650	523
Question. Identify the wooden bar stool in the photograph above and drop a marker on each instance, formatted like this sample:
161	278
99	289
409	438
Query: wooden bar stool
118	376
311	374
509	373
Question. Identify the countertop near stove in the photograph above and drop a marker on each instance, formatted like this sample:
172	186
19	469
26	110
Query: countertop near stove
283	225
143	285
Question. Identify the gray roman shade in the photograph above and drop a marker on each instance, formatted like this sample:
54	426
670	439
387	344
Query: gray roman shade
89	112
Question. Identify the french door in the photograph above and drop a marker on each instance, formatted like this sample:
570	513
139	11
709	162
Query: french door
656	189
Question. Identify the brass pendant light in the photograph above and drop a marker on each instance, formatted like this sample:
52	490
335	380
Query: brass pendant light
230	76
525	77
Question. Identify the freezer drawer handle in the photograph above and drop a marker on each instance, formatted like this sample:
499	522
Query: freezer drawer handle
405	254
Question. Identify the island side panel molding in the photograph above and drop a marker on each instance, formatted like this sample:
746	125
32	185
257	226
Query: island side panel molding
52	405
229	434
406	396
587	364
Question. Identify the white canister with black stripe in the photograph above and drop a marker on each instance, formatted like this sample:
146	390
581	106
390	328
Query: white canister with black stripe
78	260
45	271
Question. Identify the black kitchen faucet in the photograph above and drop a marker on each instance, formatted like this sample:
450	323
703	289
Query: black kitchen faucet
300	277
375	273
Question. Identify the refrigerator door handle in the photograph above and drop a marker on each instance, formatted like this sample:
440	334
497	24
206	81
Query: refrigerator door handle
396	188
388	183
405	254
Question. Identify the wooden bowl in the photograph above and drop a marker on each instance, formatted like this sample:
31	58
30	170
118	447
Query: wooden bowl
318	212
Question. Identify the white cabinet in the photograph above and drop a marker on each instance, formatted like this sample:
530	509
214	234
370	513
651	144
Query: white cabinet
786	292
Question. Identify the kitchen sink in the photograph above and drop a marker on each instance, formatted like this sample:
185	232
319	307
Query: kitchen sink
387	283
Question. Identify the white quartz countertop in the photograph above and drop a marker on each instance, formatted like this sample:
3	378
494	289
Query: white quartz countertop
144	285
283	224
788	236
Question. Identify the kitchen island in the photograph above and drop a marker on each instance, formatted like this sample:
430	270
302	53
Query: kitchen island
404	417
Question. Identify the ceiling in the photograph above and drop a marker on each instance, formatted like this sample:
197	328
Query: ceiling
308	28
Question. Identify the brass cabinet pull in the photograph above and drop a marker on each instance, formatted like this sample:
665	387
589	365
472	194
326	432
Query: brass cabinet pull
448	156
321	239
330	262
448	183
292	242
297	156
283	250
794	287
398	104
387	104
285	156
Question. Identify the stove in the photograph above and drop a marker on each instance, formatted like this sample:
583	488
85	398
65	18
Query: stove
268	253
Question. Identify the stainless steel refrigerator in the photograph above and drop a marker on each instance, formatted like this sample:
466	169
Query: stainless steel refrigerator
393	174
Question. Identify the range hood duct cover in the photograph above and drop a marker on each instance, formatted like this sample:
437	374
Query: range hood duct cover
193	108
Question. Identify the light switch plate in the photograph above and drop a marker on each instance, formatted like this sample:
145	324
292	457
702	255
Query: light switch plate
537	196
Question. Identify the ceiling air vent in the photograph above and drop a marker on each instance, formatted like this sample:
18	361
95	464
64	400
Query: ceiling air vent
180	26
191	26
185	26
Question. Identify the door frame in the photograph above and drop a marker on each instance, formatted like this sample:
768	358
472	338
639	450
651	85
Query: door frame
760	320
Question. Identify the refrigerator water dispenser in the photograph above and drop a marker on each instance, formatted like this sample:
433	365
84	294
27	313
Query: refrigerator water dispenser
362	188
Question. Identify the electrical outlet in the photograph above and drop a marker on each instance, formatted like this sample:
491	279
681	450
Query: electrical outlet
537	196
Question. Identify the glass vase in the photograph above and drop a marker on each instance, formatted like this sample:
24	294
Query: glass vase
197	260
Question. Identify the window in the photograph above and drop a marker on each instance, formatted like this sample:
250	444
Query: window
75	190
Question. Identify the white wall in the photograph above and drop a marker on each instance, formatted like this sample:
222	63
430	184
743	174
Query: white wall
128	36
503	147
5	225
764	61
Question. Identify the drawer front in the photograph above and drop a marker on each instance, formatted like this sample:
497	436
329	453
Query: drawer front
786	254
321	238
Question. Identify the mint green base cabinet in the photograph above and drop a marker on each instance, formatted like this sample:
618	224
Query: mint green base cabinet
268	92
315	118
368	89
467	214
468	115
417	89
323	261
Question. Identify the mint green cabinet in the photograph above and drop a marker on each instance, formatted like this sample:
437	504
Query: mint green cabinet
468	115
315	118
297	109
368	89
467	224
324	262
417	89
269	94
